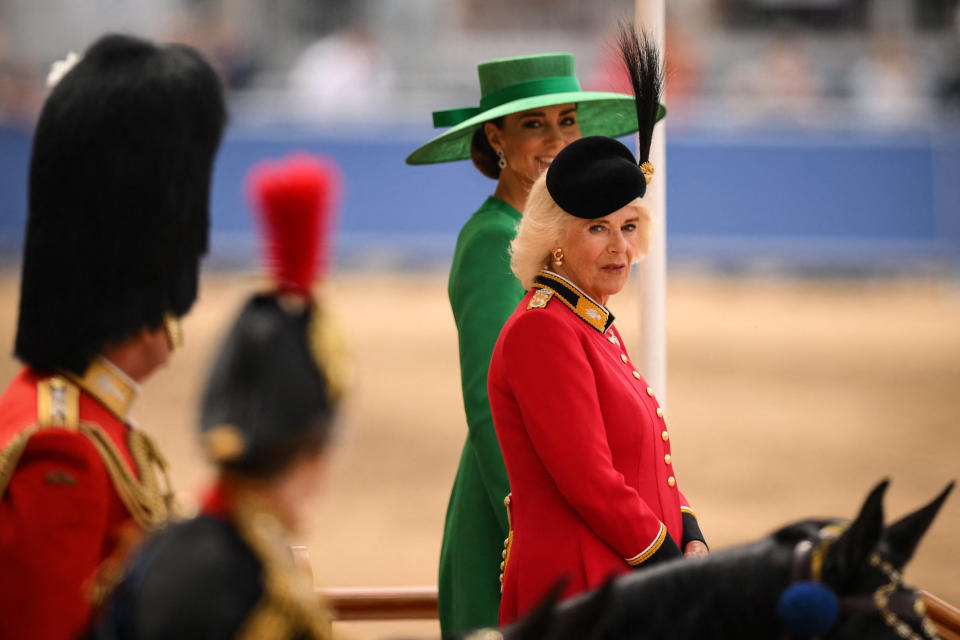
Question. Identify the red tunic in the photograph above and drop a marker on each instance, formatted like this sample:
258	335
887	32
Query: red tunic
586	448
61	513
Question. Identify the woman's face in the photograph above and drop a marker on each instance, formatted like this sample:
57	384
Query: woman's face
597	254
530	139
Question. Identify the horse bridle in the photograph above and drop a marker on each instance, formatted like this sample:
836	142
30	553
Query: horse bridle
893	607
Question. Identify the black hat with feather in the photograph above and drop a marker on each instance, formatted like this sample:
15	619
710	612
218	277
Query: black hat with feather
119	188
279	375
594	176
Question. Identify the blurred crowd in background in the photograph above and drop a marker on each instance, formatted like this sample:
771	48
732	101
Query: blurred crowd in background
873	63
845	115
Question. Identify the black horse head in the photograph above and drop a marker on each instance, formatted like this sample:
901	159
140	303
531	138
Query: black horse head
863	565
826	579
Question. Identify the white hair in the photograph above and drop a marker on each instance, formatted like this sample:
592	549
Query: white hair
543	227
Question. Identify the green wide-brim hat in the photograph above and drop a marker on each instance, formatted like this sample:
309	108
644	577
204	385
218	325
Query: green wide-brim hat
511	85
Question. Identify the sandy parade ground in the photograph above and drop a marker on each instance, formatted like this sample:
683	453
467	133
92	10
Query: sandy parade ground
787	399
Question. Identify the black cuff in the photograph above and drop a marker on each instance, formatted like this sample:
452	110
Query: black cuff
691	530
668	551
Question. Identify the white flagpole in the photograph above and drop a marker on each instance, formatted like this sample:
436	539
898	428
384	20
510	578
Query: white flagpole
650	15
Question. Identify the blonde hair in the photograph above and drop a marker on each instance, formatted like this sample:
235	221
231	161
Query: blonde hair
543	227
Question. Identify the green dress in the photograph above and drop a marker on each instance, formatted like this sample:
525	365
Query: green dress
483	294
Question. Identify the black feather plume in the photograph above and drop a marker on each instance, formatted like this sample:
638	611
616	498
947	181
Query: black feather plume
645	67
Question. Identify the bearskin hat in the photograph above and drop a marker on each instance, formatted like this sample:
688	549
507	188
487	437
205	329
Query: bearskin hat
119	188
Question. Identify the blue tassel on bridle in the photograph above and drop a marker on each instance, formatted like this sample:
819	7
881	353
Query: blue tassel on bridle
807	609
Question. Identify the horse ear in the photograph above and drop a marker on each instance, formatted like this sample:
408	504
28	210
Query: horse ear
851	550
901	538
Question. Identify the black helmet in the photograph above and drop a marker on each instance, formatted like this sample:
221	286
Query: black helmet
277	379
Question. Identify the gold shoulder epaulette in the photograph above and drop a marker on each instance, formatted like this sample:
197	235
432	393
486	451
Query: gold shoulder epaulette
58	406
540	298
58	403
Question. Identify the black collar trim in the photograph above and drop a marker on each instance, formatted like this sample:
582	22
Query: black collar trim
585	307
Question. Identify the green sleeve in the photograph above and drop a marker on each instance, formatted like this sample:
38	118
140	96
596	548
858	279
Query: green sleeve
483	294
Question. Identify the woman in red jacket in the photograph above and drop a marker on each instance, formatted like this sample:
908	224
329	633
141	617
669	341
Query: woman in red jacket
585	444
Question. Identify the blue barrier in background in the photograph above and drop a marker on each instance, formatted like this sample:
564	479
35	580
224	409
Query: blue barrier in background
797	199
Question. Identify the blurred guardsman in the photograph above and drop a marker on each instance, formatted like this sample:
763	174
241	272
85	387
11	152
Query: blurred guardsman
118	219
267	418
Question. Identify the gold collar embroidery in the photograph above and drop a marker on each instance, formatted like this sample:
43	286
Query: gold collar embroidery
585	307
111	387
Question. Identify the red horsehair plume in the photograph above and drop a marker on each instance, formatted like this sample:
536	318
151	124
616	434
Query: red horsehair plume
295	197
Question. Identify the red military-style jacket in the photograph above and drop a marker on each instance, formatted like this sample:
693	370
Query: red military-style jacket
593	489
73	477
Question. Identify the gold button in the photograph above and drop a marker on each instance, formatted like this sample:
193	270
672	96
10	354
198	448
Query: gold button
503	554
506	541
649	389
659	412
665	436
501	578
636	374
503	565
623	357
667	458
672	481
612	339
506	501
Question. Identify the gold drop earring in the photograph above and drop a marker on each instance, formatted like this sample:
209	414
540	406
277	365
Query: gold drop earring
557	256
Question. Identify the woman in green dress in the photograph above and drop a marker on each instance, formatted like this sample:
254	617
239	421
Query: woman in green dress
531	107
